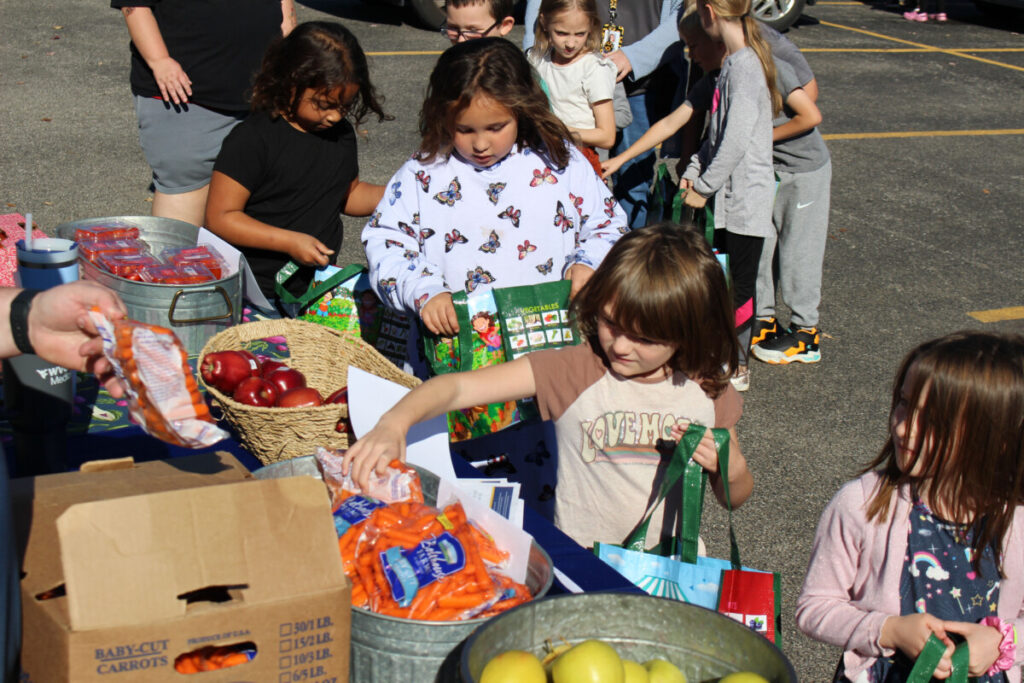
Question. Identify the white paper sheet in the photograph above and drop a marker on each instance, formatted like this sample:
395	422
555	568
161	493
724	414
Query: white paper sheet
250	289
506	535
370	396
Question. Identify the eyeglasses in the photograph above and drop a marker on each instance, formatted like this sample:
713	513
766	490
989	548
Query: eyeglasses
469	34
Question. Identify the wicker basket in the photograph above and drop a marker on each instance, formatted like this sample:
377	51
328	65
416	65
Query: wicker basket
323	355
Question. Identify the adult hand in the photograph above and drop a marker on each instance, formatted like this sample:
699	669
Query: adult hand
623	67
374	451
438	315
309	251
694	200
175	85
578	274
61	332
909	633
982	641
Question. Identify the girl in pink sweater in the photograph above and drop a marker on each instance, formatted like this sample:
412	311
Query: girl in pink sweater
930	539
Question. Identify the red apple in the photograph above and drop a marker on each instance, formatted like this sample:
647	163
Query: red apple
269	365
255	391
300	397
226	369
339	396
286	379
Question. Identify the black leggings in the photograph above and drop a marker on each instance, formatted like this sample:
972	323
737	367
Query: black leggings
744	254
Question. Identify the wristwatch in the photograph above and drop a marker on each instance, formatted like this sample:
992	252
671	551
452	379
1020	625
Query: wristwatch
20	306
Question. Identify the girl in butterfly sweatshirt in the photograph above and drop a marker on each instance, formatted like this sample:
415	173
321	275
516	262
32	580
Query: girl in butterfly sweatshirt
496	196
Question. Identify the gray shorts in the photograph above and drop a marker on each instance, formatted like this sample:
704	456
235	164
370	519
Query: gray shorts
181	142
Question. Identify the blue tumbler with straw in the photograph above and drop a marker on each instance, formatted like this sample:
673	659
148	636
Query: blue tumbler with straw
38	395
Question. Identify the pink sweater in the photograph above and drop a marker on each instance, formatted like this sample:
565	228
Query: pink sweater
852	583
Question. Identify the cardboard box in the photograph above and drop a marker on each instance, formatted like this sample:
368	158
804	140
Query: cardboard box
116	586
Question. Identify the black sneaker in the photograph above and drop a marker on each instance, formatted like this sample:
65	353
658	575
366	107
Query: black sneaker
800	345
763	330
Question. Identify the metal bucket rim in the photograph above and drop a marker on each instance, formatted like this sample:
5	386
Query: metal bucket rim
471	640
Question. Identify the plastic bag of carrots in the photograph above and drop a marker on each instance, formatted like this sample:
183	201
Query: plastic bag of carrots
212	658
163	396
401	483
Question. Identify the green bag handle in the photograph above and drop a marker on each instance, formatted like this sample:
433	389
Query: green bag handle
929	658
290	268
682	466
464	337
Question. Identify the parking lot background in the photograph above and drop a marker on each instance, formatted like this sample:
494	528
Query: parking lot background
925	123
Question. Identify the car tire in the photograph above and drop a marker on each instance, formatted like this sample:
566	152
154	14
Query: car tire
779	14
430	13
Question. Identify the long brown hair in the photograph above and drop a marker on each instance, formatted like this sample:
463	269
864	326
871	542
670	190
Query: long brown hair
318	55
966	396
497	69
666	285
550	8
739	10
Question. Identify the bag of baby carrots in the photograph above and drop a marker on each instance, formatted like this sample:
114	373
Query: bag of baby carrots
400	483
163	396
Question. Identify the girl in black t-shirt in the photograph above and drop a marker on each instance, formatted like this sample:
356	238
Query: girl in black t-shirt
286	173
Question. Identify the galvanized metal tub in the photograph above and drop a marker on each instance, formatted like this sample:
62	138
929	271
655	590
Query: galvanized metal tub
390	650
706	645
194	312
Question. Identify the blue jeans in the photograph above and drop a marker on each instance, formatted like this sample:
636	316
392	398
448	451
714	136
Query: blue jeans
633	179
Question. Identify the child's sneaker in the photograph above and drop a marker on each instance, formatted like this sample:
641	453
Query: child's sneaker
941	16
800	345
915	15
763	330
741	380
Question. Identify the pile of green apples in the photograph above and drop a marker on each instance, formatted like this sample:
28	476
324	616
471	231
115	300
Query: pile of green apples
591	661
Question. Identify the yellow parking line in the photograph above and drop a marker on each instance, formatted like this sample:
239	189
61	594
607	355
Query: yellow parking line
929	48
399	53
909	49
998	314
921	134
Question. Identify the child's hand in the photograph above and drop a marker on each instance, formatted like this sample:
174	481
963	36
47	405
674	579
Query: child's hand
706	454
694	200
307	250
438	315
909	633
578	274
175	85
609	167
982	641
374	451
685	184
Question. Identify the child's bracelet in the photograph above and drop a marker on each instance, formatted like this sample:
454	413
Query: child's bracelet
1007	646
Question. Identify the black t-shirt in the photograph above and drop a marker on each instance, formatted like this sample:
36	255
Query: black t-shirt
297	181
219	44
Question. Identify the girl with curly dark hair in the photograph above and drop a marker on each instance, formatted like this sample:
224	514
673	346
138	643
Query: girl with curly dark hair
285	174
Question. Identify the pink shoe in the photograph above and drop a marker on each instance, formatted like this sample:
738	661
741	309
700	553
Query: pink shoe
941	16
915	15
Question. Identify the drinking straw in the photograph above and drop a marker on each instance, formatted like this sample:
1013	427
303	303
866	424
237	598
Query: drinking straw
28	232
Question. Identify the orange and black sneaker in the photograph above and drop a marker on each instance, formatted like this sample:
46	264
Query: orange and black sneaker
763	330
796	346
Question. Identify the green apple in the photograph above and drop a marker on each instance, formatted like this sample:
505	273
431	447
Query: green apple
592	661
635	672
744	677
514	666
661	671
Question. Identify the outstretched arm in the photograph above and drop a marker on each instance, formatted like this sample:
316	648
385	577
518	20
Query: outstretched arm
175	85
60	330
386	441
659	131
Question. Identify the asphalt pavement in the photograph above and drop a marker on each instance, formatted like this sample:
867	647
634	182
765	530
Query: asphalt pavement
925	123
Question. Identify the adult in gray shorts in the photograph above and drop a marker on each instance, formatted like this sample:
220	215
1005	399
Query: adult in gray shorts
192	67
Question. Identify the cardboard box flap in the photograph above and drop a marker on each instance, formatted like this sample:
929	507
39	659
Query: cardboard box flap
38	501
133	560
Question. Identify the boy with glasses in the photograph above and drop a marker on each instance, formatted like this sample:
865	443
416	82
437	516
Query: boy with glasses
472	19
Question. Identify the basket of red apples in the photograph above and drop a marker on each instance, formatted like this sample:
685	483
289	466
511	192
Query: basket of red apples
285	408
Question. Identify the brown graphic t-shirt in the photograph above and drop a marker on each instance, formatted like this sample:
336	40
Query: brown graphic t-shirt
607	428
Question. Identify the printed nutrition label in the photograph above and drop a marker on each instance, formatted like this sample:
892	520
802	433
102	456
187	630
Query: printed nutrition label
303	650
